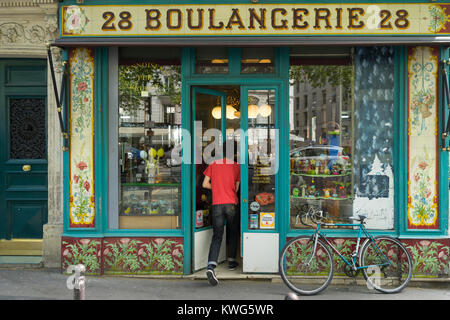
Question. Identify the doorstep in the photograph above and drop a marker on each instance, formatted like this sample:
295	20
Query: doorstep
223	273
21	262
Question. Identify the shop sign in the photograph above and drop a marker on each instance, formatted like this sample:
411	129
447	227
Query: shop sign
255	19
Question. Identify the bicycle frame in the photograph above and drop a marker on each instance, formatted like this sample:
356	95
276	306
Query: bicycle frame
317	234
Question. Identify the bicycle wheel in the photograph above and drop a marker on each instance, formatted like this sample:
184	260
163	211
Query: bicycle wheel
387	264
302	277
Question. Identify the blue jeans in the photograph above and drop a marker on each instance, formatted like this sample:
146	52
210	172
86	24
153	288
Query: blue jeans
220	213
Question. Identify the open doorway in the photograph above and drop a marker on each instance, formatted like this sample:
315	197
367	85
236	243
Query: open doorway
216	117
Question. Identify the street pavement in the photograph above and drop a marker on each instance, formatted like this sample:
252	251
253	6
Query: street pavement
50	284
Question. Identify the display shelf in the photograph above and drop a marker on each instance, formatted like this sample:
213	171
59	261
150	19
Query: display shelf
150	199
321	175
139	184
322	198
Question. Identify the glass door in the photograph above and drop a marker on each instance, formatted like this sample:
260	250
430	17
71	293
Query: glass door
259	212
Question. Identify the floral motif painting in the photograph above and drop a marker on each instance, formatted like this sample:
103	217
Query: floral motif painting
422	113
74	20
431	258
143	256
439	18
81	251
82	196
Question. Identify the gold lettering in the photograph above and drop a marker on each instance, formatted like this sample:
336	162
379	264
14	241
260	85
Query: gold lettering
322	14
199	19
353	17
211	21
261	18
151	20
235	19
339	18
179	15
283	21
298	17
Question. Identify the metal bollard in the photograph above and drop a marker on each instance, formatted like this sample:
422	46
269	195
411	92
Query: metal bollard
77	281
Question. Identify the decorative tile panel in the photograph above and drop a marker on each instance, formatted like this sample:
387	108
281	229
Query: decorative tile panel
431	258
82	251
82	199
160	255
422	122
125	255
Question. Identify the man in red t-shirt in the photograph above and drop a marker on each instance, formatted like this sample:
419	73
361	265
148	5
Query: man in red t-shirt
223	177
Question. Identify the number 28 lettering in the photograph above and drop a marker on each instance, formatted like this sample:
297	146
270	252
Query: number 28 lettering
123	24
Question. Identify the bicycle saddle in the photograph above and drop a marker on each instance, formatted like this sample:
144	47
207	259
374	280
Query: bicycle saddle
361	218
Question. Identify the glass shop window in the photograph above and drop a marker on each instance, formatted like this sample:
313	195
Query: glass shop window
149	129
341	148
211	60
257	60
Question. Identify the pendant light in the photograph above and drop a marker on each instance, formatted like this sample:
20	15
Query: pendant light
265	110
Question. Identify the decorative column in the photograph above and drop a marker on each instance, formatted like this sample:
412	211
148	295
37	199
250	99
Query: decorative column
423	144
81	132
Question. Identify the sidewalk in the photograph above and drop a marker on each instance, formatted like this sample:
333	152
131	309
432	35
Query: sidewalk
50	284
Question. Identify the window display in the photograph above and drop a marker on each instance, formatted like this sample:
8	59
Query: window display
149	129
321	142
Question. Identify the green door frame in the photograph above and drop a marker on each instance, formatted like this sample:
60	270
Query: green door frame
279	80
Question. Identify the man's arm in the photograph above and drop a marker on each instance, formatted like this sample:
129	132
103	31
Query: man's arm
206	183
237	185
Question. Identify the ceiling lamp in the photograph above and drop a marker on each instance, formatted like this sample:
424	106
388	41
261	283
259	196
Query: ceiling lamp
252	111
230	112
217	112
265	110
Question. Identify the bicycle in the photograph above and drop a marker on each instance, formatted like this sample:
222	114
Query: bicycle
306	263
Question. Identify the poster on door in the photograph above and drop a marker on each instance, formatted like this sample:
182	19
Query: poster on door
267	220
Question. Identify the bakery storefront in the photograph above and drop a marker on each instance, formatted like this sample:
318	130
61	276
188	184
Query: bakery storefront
338	106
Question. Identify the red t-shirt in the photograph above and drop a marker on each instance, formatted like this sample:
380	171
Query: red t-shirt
224	174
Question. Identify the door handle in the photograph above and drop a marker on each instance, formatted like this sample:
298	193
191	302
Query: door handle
26	168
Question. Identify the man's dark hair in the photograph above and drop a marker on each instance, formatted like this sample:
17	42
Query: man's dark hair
229	148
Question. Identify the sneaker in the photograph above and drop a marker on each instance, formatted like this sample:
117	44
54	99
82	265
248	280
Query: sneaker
232	265
212	277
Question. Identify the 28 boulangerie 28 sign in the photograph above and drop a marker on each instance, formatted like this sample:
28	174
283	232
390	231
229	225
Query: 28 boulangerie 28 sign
255	19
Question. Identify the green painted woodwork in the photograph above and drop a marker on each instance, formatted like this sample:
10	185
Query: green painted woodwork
23	195
280	82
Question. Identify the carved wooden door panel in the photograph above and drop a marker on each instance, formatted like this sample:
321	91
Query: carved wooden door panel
23	148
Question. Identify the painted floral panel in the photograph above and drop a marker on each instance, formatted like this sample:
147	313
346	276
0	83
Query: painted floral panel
143	255
422	146
431	258
82	196
81	251
74	20
439	18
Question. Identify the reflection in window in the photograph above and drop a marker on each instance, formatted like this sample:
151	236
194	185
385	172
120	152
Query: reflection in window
321	140
211	60
149	129
257	60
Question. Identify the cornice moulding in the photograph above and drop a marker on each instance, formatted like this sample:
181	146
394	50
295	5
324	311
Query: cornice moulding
29	3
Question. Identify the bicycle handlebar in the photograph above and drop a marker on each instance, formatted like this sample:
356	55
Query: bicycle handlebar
316	217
